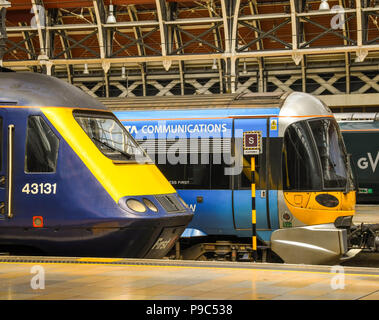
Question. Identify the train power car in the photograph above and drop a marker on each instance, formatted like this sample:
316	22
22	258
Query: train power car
361	135
304	192
73	182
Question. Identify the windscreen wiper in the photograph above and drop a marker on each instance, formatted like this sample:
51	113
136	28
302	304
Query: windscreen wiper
127	155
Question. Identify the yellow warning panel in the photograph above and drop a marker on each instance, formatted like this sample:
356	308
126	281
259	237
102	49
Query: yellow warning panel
274	124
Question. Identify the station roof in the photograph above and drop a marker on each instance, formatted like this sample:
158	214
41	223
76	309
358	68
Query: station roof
149	29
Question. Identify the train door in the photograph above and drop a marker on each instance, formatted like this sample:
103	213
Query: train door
7	137
3	179
242	202
28	165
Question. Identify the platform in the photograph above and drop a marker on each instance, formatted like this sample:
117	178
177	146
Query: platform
366	213
115	279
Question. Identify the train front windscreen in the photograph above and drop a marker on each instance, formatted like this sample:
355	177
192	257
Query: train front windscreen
111	137
315	157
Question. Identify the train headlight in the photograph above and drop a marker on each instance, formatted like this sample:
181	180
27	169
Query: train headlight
136	205
150	205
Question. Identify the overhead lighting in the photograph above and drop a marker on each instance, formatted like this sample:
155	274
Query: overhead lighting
111	18
4	4
86	71
244	71
324	5
214	67
123	73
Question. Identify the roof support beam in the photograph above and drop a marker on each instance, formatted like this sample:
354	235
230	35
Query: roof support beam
198	38
65	45
39	13
196	57
296	57
361	52
162	17
178	43
99	8
137	30
230	12
134	41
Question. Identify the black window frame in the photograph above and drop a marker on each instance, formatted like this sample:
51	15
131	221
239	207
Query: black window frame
324	188
26	147
109	115
318	158
317	169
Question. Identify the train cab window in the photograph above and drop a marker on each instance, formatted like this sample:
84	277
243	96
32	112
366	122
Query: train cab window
300	165
41	146
111	137
331	151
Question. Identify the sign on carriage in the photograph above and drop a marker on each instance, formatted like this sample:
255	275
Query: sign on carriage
252	142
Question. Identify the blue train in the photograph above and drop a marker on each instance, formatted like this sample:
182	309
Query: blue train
73	182
304	188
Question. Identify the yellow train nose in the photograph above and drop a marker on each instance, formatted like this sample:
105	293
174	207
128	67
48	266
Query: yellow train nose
312	208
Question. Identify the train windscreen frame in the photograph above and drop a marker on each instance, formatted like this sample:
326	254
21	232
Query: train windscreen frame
111	137
314	157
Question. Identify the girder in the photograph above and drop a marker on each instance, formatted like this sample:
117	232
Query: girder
181	39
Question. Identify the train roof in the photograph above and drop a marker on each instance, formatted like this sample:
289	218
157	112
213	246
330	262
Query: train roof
249	100
357	116
33	89
363	122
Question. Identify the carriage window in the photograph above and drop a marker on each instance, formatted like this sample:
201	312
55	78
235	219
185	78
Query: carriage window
202	170
187	176
41	146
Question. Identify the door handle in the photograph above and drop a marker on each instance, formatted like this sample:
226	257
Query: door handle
10	170
2	181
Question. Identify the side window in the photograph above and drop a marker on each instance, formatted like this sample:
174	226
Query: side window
41	146
1	143
187	176
204	169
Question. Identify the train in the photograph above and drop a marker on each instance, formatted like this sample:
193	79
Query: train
74	182
361	135
300	200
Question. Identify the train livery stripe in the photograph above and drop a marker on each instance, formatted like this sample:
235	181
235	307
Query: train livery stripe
359	130
118	180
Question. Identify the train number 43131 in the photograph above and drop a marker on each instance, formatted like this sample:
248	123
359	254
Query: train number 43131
40	188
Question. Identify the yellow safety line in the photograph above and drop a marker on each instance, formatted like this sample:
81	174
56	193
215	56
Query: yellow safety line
189	267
